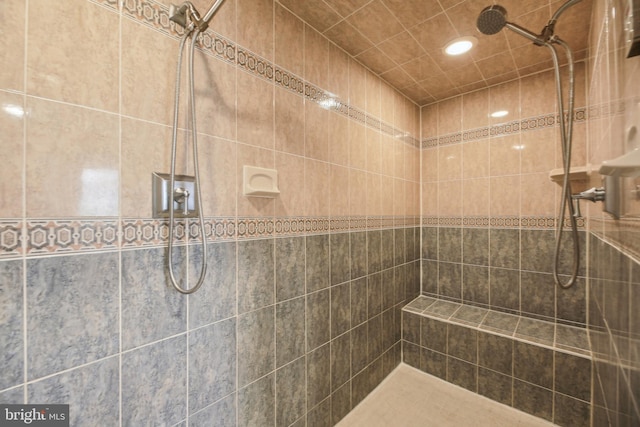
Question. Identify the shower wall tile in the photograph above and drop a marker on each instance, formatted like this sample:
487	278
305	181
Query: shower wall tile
450	244
533	364
388	249
374	251
57	67
475	248
90	391
341	309
316	57
475	284
572	412
538	293
290	392
144	70
151	308
215	109
256	31
537	250
84	156
504	248
250	112
256	403
13	395
212	363
290	330
318	262
11	141
320	415
316	131
256	345
504	289
462	374
532	399
146	371
340	361
450	280
318	319
289	46
140	161
12	73
495	386
11	337
216	299
338	140
290	267
358	248
290	169
256	264
339	250
289	122
316	189
223	411
358	303
72	311
255	110
319	380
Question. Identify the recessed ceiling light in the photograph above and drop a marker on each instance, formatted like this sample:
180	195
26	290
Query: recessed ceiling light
460	46
501	113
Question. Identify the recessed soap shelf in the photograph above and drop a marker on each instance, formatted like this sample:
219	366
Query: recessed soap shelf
576	173
260	182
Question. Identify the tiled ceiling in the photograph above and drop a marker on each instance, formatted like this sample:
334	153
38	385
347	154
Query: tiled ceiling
403	40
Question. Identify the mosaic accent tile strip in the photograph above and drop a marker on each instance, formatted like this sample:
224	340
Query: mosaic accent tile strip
11	239
218	46
523	125
152	15
62	236
533	223
156	16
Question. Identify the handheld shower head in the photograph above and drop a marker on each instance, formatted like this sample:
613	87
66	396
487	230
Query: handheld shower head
492	19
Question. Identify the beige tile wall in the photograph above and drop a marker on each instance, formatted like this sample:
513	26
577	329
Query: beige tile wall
496	174
96	86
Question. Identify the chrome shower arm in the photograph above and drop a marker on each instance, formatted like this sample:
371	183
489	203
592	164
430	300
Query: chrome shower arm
212	10
525	33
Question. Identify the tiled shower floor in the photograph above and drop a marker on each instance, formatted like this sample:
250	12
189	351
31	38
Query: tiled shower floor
410	398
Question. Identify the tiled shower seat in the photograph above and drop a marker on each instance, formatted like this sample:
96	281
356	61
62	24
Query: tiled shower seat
536	366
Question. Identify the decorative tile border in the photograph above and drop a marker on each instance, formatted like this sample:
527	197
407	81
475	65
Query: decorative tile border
531	223
61	236
156	16
509	128
11	239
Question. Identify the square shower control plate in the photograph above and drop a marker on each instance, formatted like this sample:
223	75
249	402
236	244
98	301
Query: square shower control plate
162	194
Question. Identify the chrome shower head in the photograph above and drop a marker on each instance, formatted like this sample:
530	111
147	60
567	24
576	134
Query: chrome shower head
492	19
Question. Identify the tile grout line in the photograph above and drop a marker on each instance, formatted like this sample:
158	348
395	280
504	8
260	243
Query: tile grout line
23	233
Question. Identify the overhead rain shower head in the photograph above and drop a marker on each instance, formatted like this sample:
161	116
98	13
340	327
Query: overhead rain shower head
492	19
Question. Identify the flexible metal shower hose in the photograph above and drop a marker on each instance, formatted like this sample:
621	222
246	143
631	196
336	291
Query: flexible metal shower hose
566	136
192	35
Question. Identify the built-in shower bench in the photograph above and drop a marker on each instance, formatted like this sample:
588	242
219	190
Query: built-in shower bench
539	367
